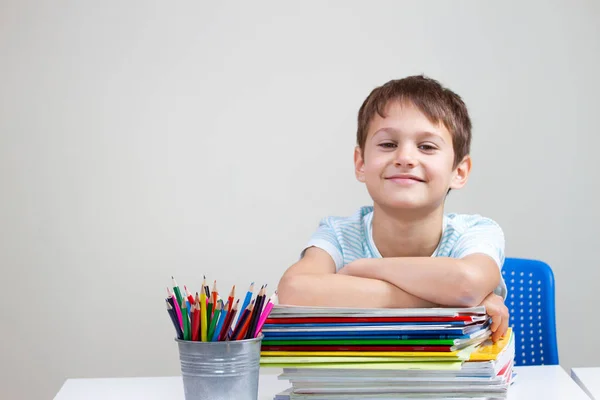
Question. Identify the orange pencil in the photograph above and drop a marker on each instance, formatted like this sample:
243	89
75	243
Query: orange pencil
215	293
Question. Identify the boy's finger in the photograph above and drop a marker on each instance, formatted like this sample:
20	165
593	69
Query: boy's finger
495	331
503	327
496	320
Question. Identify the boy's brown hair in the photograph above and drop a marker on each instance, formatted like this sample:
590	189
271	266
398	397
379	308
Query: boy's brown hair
438	103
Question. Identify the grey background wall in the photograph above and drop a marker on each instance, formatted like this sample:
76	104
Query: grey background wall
144	139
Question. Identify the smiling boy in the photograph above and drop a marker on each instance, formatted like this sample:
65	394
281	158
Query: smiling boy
413	142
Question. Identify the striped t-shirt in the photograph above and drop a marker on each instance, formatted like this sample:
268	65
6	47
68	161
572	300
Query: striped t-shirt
350	238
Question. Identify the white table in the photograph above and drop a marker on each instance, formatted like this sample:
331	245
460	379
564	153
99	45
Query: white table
589	380
536	382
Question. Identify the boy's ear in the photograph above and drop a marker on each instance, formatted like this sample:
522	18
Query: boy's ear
461	173
359	164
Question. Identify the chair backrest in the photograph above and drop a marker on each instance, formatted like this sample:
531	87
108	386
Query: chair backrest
530	299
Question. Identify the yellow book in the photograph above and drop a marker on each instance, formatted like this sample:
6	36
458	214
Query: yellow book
489	351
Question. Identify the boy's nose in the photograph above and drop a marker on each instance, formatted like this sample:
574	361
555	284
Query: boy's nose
405	158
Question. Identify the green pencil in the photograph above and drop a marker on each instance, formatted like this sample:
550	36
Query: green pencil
209	311
186	322
177	292
215	318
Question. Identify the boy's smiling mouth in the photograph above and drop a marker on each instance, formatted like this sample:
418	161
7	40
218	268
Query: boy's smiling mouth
405	179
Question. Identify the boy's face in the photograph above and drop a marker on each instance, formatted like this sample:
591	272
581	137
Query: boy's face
408	161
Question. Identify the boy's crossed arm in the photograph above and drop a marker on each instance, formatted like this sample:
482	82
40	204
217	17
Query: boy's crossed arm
312	281
463	282
409	282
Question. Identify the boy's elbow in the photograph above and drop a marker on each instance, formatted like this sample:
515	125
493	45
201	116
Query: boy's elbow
289	290
470	291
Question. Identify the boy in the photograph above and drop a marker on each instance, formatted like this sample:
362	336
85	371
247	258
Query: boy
413	143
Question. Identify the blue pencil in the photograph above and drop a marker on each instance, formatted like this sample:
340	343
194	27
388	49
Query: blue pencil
248	296
244	305
220	323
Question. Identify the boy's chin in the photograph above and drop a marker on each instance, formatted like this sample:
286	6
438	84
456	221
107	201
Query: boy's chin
406	203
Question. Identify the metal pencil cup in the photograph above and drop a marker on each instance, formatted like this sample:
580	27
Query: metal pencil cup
226	370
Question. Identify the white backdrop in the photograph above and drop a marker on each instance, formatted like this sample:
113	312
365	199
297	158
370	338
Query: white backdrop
142	140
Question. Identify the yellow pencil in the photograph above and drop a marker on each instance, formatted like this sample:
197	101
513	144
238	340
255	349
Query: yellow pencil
204	321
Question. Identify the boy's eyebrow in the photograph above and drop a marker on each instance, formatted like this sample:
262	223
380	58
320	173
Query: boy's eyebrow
425	134
432	134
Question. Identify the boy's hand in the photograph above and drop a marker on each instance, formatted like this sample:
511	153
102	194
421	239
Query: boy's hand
495	308
357	268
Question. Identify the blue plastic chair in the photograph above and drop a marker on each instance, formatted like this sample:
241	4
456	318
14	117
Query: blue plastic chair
530	299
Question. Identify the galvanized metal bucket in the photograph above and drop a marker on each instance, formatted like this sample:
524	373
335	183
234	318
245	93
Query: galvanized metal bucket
225	370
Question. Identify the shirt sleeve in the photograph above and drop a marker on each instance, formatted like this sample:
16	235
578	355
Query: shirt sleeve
485	237
326	239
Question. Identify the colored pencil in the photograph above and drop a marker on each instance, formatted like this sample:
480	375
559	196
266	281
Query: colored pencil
231	298
186	322
242	333
230	317
205	286
196	319
209	310
173	317
175	305
203	320
245	304
222	318
260	299
215	294
189	296
265	313
177	291
215	319
247	299
235	328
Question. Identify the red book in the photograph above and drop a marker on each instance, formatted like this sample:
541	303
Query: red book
357	348
332	320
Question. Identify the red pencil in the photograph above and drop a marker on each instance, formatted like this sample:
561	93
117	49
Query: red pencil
196	319
189	295
231	298
228	320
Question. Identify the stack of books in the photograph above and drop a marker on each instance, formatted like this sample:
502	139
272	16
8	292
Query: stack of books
345	353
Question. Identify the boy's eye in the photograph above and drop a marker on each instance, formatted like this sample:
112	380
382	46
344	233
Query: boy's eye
427	147
387	145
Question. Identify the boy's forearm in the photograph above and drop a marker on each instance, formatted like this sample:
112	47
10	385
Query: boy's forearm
334	290
442	280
